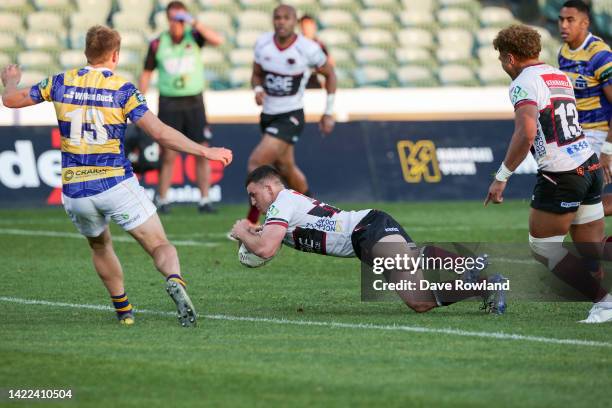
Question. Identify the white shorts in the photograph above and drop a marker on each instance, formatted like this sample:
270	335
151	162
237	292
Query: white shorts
126	204
596	139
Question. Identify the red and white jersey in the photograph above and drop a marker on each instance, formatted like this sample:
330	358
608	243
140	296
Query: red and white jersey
560	144
286	71
313	226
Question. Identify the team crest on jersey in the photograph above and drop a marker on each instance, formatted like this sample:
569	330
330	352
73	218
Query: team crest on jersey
291	61
43	84
517	93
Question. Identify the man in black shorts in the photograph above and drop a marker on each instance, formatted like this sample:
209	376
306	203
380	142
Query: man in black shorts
309	225
176	56
567	194
282	67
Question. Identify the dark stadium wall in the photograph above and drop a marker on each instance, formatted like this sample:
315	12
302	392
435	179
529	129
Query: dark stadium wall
360	161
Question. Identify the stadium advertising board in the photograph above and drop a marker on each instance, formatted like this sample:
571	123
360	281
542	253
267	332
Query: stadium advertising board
360	161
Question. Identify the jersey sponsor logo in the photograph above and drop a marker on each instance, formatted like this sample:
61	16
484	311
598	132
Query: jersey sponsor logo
419	161
517	93
327	225
577	147
556	81
272	211
539	146
88	173
309	240
140	97
282	85
86	96
580	82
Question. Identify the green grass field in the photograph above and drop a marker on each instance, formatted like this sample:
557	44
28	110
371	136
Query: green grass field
384	354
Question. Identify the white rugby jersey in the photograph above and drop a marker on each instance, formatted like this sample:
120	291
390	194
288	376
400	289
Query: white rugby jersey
313	226
286	71
560	144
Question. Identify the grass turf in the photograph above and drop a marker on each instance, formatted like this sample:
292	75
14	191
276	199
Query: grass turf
241	363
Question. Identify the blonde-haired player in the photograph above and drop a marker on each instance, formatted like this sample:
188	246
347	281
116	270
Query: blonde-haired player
93	106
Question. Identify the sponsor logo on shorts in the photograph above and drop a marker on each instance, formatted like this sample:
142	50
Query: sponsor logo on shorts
294	139
393	229
294	120
127	221
570	204
271	130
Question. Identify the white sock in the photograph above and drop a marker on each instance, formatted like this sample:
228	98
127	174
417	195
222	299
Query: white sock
204	200
606	299
162	201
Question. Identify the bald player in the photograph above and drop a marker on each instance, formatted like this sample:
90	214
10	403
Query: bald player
283	64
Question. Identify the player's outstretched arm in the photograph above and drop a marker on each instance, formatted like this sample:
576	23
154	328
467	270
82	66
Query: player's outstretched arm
265	243
326	124
13	97
175	140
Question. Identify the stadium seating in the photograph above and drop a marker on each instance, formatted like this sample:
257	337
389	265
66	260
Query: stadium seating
71	58
457	75
401	37
414	75
31	77
11	22
371	76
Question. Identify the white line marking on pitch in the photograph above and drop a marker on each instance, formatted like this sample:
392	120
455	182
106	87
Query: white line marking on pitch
337	325
59	234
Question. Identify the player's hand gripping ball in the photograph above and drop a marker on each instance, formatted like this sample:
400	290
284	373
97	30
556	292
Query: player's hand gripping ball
249	259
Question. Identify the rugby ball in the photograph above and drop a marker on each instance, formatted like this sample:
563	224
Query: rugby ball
249	259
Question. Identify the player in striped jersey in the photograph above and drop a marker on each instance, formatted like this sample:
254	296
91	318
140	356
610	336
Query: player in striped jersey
93	106
587	61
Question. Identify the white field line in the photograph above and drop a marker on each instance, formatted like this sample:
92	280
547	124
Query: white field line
74	235
334	325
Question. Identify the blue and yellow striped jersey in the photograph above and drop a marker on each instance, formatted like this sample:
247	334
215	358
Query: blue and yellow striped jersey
590	69
92	107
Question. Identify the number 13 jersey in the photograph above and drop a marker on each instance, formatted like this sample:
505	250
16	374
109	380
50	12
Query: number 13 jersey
559	144
92	107
286	71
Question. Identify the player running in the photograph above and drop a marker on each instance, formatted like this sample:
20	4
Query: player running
309	225
587	61
93	106
567	194
282	67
